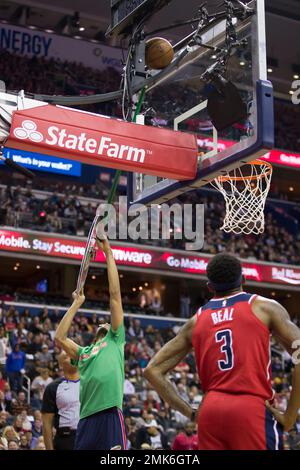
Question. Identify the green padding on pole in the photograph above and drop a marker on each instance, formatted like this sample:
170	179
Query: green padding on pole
118	174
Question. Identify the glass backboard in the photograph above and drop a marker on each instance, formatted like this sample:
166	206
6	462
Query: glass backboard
180	101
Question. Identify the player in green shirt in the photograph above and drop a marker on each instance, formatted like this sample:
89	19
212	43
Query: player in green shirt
101	369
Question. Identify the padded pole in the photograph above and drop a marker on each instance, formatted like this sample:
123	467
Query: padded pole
118	174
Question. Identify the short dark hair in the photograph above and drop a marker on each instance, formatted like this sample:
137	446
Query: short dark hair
224	270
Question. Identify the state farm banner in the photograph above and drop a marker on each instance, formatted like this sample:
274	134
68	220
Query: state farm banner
46	245
100	140
35	43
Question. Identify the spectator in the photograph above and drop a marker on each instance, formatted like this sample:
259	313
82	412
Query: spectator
135	330
298	423
187	439
129	388
39	384
24	445
55	316
32	441
37	428
18	423
3	443
4	404
156	306
185	303
133	408
3	420
294	440
276	365
151	402
164	418
3	350
40	445
152	435
195	396
8	394
13	444
44	357
9	434
20	404
26	420
15	365
36	327
35	346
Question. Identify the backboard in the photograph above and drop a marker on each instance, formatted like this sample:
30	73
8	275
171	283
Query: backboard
180	101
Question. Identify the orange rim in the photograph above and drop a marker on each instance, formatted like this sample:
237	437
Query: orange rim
267	172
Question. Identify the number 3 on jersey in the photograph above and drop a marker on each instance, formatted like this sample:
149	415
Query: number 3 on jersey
225	337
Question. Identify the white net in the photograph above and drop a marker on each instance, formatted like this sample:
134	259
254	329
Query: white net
245	191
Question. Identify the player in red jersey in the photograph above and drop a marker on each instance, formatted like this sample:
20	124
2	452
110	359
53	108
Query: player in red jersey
231	339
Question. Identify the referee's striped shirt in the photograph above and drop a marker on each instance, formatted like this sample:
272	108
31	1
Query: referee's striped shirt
61	397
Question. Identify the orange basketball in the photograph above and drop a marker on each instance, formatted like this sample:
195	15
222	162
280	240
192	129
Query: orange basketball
159	53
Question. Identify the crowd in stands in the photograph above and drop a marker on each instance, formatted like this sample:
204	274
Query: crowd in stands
27	348
49	76
67	214
57	77
287	125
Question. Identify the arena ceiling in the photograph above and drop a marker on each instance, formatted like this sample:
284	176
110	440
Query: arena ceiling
95	14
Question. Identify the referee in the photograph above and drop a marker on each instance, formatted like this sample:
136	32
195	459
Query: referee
60	407
101	369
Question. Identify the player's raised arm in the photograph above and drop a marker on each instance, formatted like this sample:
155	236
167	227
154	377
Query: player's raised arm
166	360
61	333
288	334
116	309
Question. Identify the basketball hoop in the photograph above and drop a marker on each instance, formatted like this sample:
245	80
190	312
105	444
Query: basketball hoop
245	190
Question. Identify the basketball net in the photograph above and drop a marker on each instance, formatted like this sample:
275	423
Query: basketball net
245	191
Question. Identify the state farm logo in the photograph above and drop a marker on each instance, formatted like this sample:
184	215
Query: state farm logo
81	142
28	131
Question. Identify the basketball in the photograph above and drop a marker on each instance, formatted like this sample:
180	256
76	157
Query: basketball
159	53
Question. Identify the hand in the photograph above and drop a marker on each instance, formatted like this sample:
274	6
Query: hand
283	418
78	297
101	238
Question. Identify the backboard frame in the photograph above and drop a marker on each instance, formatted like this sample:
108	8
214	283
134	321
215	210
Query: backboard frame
214	164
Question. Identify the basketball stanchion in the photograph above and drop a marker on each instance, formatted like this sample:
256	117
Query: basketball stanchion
90	250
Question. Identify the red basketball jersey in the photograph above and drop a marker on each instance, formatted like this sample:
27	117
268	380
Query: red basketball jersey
232	347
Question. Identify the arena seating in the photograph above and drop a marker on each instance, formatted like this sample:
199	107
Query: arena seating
72	214
33	327
40	75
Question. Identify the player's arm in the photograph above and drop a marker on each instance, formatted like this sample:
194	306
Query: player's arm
288	334
47	430
61	333
164	361
116	309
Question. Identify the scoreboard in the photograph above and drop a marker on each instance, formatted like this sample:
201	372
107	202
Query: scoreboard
126	13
